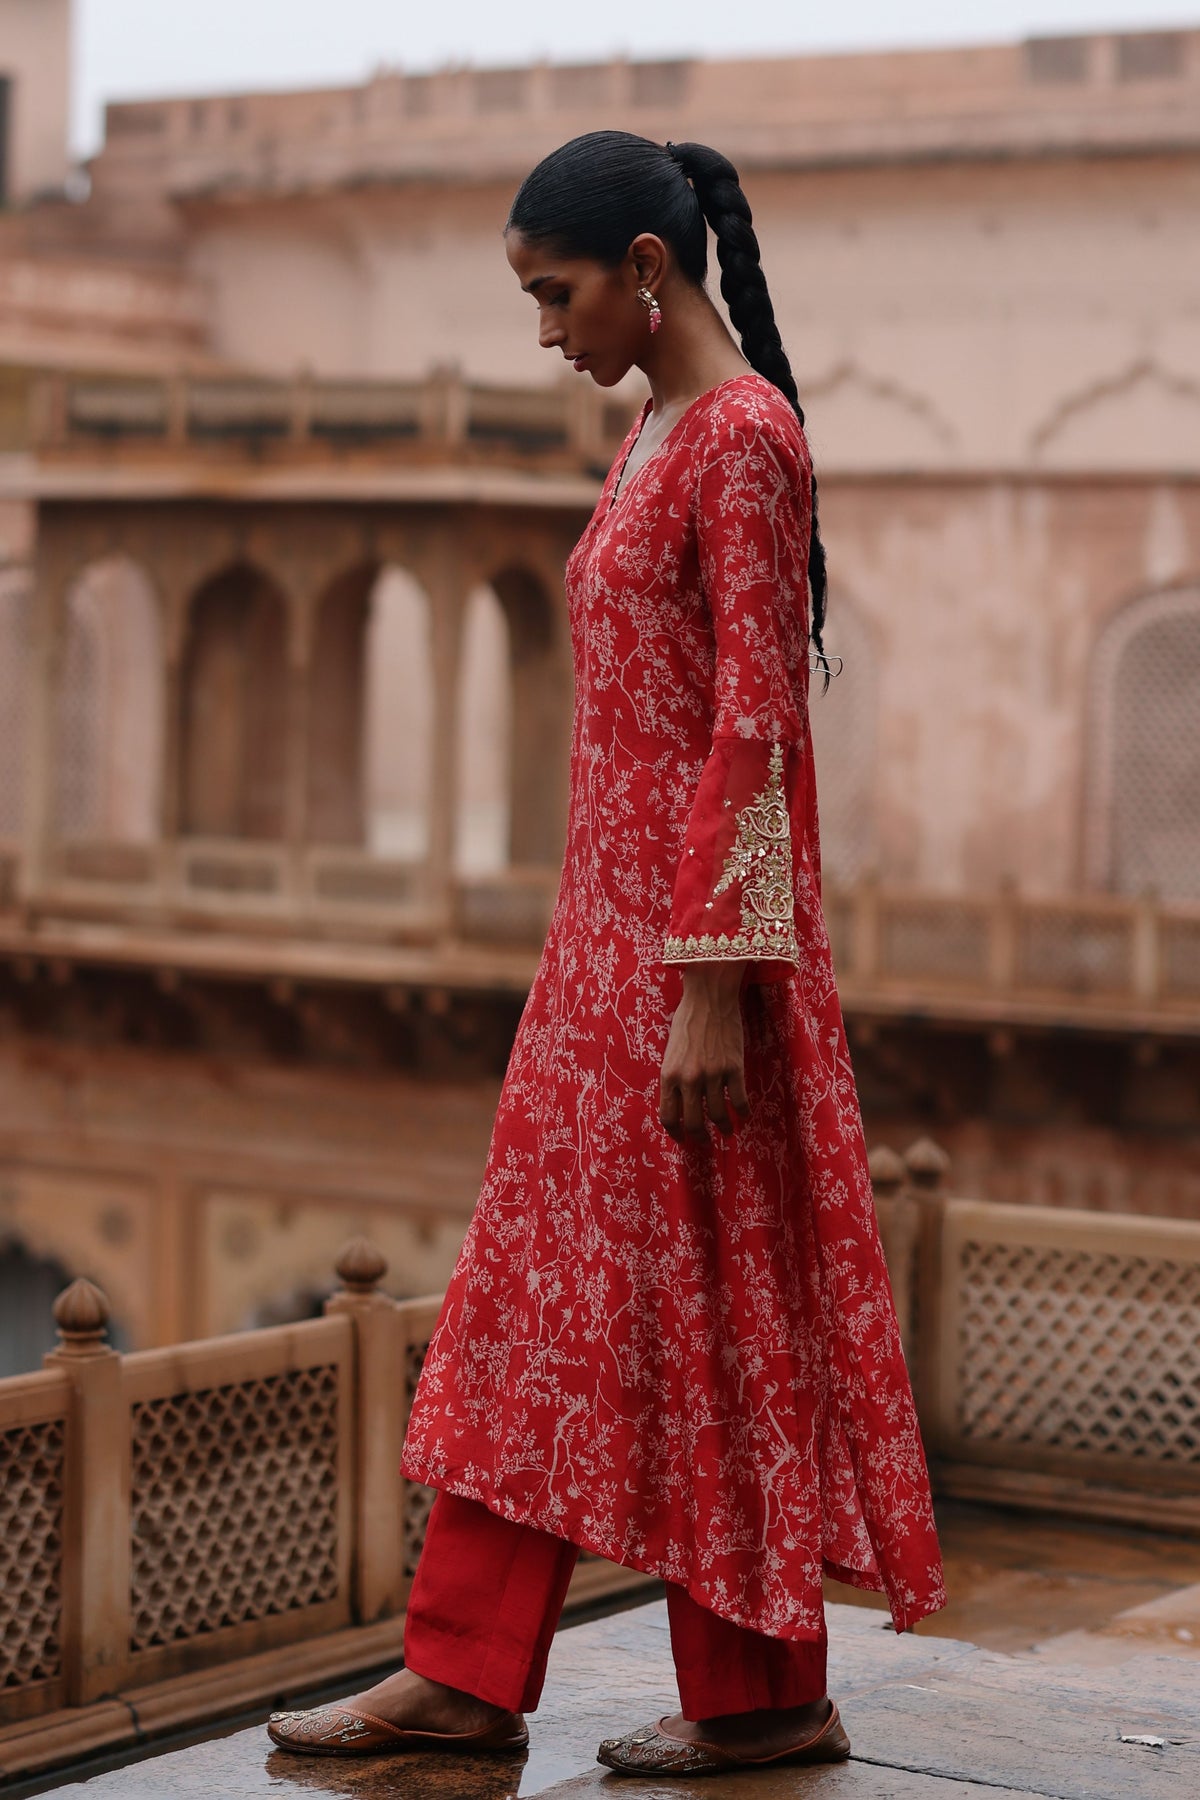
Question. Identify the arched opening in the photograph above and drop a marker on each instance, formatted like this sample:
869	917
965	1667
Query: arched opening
514	702
16	591
110	708
234	762
371	715
540	711
335	713
843	734
398	718
29	1286
483	823
1144	799
291	1307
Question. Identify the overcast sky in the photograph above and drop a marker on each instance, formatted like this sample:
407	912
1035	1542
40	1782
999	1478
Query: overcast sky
132	48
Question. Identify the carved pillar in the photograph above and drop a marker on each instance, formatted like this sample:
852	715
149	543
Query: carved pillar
444	580
296	747
96	1502
41	747
378	1574
928	1169
173	600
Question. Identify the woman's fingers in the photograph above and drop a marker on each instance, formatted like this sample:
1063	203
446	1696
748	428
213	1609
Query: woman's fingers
714	1098
738	1098
670	1109
693	1106
684	1102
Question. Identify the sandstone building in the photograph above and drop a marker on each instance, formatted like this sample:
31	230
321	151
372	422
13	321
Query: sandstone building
285	491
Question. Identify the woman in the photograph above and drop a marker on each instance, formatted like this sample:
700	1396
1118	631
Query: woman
669	1337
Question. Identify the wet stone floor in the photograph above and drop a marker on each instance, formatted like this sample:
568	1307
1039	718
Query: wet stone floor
929	1719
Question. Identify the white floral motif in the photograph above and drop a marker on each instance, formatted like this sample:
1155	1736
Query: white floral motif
685	1358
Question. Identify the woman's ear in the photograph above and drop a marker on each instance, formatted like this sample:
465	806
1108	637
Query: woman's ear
649	259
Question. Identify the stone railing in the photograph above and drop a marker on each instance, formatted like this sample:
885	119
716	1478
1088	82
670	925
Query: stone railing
1004	955
442	417
1084	949
1055	1354
191	1531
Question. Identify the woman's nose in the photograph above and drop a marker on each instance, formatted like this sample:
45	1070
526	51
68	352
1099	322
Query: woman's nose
550	332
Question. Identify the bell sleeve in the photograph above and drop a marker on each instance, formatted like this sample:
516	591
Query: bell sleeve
734	897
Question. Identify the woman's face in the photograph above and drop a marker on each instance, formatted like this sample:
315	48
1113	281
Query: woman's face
589	313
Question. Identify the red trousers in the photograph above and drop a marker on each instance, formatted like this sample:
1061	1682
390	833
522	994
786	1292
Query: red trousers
486	1600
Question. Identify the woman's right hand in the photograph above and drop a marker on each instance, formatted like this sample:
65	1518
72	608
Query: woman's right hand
704	1066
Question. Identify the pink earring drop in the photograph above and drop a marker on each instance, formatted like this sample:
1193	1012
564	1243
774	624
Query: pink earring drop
652	307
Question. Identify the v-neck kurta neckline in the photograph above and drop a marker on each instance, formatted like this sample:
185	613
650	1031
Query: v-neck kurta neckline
621	486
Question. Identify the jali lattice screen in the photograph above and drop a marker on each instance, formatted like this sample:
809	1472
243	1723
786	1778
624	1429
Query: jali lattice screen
1095	1351
31	1468
234	1504
417	1499
1144	799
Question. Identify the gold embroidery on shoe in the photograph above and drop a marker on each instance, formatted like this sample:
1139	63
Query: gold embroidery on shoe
761	859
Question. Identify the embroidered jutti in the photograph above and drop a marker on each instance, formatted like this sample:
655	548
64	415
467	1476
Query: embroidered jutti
685	1357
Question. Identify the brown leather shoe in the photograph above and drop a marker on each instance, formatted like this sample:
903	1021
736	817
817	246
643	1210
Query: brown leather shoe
346	1731
652	1751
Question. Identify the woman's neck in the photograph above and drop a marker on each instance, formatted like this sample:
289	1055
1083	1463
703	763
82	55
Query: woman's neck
692	353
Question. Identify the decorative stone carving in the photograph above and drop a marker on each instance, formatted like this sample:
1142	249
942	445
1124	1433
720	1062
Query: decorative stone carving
361	1266
888	1171
927	1164
81	1313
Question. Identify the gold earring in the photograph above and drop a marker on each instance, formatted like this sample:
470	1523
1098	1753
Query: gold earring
652	307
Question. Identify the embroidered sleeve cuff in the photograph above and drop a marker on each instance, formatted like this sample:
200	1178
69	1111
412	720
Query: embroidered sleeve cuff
776	943
748	913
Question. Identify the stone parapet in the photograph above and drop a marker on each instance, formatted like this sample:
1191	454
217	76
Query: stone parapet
1103	93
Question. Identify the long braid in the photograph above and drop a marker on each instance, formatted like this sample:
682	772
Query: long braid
744	291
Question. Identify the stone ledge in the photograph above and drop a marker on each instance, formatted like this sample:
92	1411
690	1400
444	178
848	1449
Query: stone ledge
929	1719
137	1716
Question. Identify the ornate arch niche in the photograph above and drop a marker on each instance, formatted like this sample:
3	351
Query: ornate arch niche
1140	417
513	700
1142	809
234	702
843	723
109	727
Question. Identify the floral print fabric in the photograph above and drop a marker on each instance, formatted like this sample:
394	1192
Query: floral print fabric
685	1357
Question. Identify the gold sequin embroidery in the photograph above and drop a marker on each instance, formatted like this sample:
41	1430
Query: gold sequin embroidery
761	859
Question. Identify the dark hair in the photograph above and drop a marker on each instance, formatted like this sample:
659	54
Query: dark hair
596	194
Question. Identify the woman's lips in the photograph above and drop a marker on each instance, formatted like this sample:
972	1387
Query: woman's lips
577	362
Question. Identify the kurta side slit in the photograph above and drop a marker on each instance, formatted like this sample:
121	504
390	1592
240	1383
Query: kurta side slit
685	1357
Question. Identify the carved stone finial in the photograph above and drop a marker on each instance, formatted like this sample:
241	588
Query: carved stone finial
888	1171
361	1266
927	1164
81	1313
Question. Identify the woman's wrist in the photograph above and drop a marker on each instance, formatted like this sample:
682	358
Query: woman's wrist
715	981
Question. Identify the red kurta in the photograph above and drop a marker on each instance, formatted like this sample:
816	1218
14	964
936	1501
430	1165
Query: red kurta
685	1357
